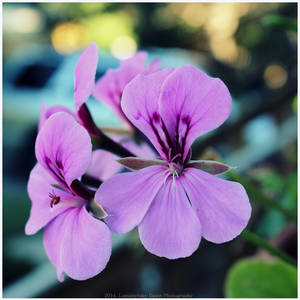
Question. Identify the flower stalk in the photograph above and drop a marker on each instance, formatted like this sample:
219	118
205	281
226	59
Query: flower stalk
261	243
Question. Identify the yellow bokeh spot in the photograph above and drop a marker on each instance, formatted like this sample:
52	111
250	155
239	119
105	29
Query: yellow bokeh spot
123	47
105	28
275	76
225	50
69	37
194	14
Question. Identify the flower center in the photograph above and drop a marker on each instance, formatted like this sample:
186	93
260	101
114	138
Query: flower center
175	169
57	201
54	199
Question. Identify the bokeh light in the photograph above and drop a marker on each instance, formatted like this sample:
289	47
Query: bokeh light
105	28
123	47
275	76
23	20
69	37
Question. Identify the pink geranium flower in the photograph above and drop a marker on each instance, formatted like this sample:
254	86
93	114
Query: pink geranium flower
175	201
103	163
109	88
75	241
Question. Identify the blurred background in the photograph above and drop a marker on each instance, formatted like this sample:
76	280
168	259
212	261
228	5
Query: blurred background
252	47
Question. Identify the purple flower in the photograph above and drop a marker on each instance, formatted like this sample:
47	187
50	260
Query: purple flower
84	82
103	163
175	201
75	241
47	112
110	87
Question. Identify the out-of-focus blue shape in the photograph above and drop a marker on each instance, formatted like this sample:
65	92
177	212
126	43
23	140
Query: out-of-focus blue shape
39	280
261	130
37	74
150	279
254	152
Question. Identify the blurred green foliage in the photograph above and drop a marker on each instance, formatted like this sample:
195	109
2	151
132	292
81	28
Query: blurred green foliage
284	190
251	278
280	22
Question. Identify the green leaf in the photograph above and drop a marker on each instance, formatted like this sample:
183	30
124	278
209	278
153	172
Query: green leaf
254	278
280	22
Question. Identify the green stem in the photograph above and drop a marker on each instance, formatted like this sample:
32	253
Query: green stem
254	193
258	241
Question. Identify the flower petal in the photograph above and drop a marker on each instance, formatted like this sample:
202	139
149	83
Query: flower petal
154	66
126	197
64	148
109	91
170	227
109	88
133	66
39	187
222	206
84	75
47	112
78	244
141	150
191	104
104	165
140	105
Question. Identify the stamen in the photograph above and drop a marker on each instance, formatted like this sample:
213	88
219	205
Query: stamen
177	155
167	174
57	201
54	199
174	181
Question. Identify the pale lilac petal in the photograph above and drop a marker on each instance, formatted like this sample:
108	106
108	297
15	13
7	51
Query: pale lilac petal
140	105
222	206
64	148
109	91
47	112
170	227
193	103
154	66
39	187
127	196
84	75
109	88
78	244
53	240
141	150
132	66
103	165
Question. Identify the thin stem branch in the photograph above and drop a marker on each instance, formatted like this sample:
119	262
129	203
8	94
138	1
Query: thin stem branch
258	241
258	195
102	141
90	181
